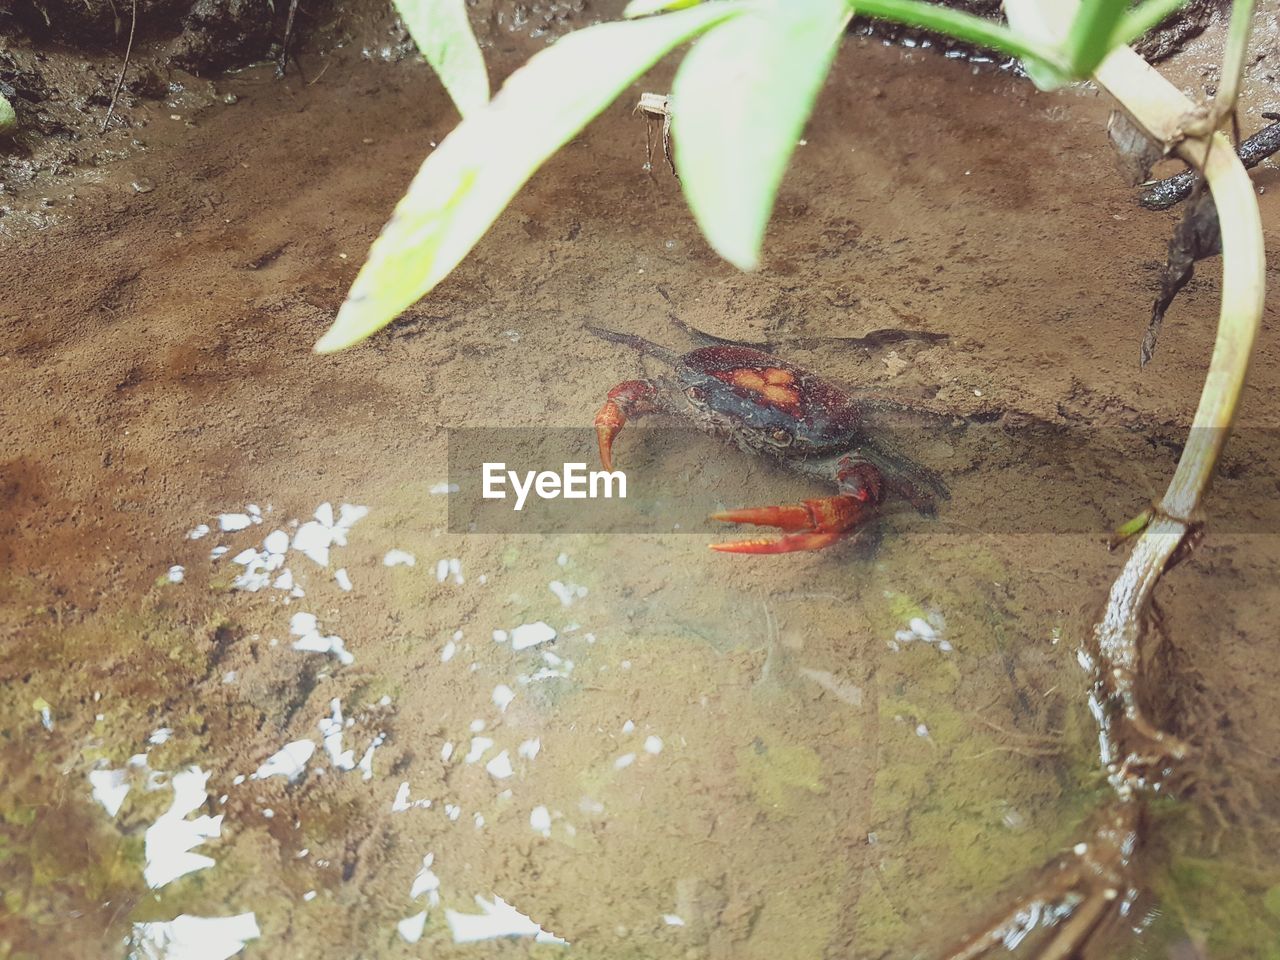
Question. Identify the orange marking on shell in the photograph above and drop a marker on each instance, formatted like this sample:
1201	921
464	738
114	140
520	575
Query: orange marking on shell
772	384
782	396
747	379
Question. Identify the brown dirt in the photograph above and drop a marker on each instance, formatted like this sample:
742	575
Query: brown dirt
156	346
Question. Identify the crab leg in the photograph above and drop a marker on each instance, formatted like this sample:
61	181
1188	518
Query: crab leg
810	525
631	398
813	524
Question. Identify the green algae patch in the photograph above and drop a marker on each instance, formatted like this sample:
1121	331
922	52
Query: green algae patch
1228	902
775	772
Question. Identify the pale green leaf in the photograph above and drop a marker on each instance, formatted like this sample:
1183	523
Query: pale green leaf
8	119
470	178
642	8
442	32
739	103
1048	24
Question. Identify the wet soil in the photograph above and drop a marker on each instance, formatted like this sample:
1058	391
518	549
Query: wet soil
828	784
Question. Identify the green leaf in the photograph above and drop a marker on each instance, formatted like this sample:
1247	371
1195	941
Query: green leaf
8	119
1090	37
963	26
739	103
470	178
442	32
642	8
1044	22
1144	17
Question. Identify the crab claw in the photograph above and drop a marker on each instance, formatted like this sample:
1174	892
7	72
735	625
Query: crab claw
810	525
608	422
631	398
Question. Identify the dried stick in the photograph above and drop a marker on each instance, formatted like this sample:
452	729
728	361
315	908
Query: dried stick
133	26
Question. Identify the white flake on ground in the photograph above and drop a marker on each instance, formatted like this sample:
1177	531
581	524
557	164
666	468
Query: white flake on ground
177	573
402	801
304	626
443	488
540	820
452	810
478	747
410	928
918	628
230	522
160	736
331	729
628	726
447	653
529	749
653	745
500	766
198	531
309	896
110	787
922	629
843	690
315	537
365	766
277	541
567	592
531	634
502	696
426	882
194	938
169	840
672	920
446	752
624	761
289	761
399	558
343	579
477	725
499	636
563	560
449	567
497	919
216	552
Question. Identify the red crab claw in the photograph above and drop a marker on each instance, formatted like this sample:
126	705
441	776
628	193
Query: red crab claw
810	525
631	398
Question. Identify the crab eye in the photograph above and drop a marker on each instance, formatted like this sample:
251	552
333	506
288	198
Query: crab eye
781	437
696	395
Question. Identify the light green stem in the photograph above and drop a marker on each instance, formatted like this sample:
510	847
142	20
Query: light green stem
1233	59
961	25
1145	17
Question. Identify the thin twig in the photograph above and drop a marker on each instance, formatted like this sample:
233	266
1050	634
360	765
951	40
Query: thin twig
284	46
133	26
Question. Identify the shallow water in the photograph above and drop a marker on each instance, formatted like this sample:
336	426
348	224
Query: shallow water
856	753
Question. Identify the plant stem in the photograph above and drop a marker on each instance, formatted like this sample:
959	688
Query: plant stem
963	26
1158	108
1224	102
1089	39
1146	17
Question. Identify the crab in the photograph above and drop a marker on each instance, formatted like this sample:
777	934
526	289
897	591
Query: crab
766	405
